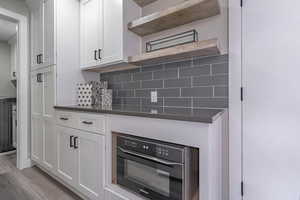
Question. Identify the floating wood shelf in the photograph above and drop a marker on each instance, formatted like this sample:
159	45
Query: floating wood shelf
202	48
143	3
183	13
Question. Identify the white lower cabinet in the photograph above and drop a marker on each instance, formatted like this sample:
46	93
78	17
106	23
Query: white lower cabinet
43	138
90	158
36	139
49	145
81	161
66	166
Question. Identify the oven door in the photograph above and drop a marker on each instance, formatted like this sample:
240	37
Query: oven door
150	177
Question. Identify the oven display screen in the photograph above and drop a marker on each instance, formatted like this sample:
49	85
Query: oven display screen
154	179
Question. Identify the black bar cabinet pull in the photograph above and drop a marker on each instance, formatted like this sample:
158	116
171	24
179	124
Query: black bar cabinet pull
99	54
95	54
37	59
71	141
87	123
76	142
41	58
64	118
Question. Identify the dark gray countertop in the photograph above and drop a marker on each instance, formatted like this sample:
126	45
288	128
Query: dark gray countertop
196	115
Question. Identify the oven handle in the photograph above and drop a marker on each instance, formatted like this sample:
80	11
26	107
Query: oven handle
149	157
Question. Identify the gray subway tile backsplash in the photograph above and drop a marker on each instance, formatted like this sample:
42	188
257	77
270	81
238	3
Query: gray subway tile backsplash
174	92
147	102
178	83
192	71
178	102
131	85
210	80
221	91
197	92
153	84
210	102
166	74
221	68
142	76
181	85
143	93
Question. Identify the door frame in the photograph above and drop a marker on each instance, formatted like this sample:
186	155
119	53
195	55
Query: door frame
235	101
23	89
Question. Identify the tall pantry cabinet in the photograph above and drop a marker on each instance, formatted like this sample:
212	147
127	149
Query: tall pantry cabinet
55	71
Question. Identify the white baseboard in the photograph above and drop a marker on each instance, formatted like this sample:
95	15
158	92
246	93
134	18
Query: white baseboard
8	153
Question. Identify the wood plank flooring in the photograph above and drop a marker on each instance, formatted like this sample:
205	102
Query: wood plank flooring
36	184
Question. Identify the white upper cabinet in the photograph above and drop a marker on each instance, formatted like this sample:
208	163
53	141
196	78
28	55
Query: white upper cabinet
42	34
91	28
48	57
104	38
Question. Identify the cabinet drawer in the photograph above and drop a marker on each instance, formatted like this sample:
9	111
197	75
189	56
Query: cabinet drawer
66	119
92	123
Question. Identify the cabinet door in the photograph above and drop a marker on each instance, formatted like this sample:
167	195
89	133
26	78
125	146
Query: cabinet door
67	166
48	21
36	116
112	14
37	139
34	36
50	150
91	165
40	31
37	34
90	29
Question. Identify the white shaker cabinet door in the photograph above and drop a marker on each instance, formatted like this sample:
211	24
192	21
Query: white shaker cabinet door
34	37
37	116
91	36
37	139
112	32
67	159
91	164
50	149
49	146
48	22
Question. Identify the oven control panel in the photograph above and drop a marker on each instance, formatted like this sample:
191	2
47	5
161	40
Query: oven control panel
152	148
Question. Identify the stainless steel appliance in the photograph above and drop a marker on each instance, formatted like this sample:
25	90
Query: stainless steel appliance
154	169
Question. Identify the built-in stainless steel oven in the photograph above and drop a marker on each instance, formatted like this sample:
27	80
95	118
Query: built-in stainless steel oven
154	169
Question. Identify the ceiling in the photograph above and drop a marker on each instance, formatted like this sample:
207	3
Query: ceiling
7	29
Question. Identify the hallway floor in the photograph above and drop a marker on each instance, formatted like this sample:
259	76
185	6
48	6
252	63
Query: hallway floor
43	186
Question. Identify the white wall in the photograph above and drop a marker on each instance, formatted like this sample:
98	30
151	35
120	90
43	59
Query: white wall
213	27
6	87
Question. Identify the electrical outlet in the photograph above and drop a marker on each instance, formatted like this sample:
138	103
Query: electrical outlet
153	96
153	111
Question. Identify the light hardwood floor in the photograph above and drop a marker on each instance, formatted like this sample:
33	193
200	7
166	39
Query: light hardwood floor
37	180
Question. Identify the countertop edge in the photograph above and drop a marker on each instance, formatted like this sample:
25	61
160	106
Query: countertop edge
198	119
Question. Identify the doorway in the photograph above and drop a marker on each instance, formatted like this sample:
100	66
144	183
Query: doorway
20	78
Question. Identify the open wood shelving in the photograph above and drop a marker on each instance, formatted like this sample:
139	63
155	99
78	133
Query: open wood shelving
181	14
201	48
